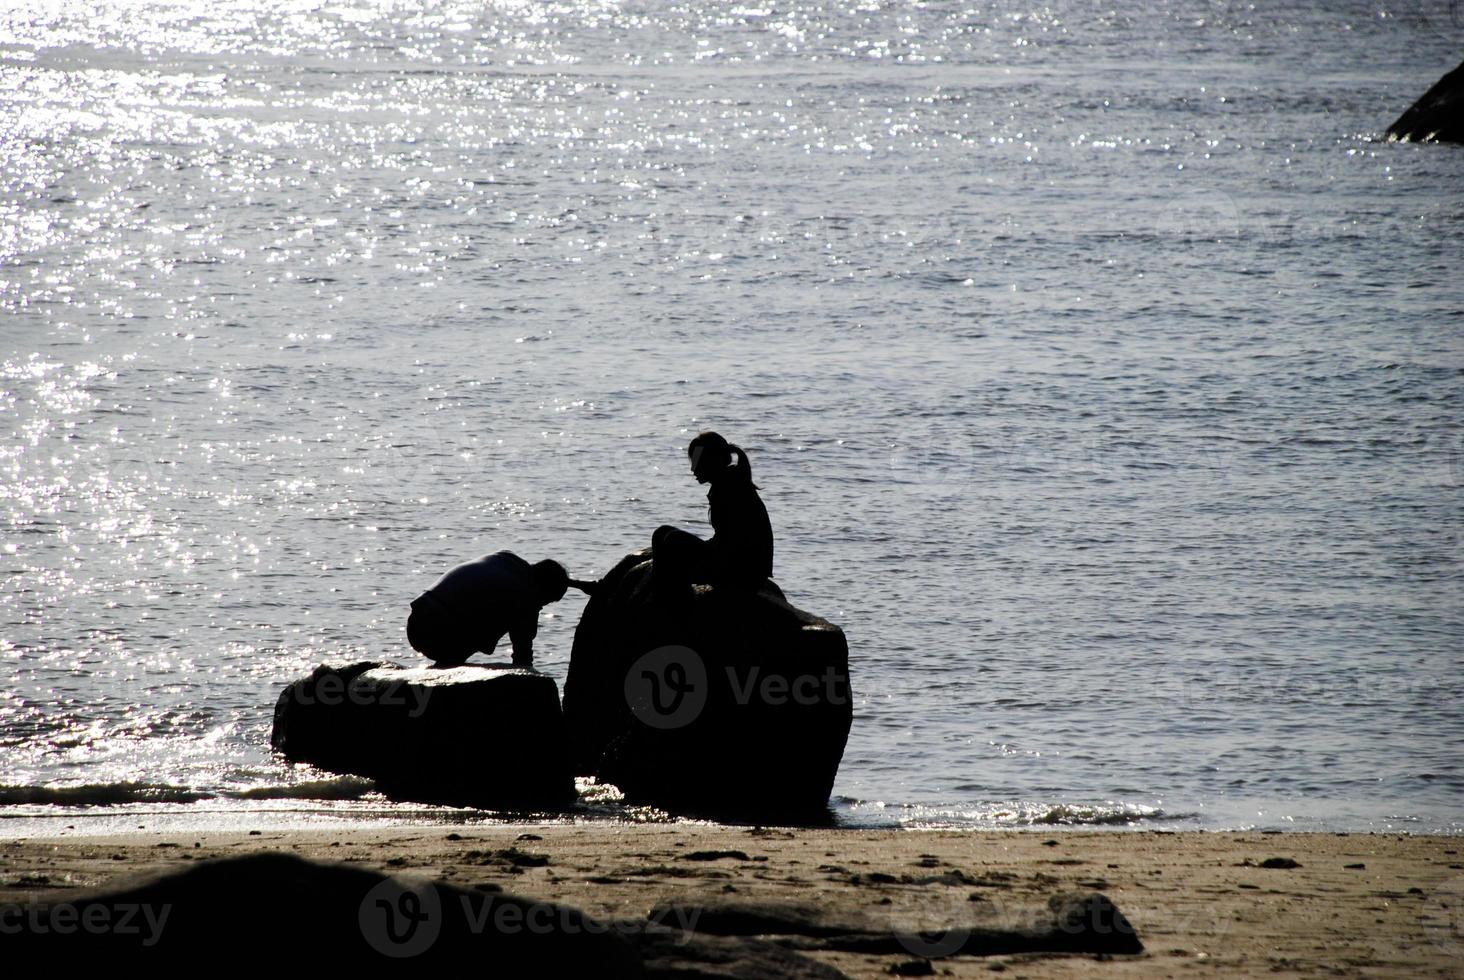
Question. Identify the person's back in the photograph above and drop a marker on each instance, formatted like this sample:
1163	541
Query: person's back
470	608
743	536
502	574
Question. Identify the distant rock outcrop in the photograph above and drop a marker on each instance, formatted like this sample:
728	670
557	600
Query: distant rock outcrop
482	736
1438	116
708	700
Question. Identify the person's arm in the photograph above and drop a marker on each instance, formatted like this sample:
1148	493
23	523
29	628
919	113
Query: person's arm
522	634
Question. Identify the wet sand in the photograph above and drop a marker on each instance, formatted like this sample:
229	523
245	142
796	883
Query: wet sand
1203	903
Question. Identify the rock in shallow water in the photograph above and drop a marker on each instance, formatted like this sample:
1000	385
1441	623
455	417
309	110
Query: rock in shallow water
709	701
482	736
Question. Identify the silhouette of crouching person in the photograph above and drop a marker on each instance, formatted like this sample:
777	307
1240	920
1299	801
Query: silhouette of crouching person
471	608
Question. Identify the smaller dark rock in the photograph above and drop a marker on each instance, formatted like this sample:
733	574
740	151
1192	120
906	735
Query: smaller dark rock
512	857
715	856
954	876
1071	923
1283	863
911	968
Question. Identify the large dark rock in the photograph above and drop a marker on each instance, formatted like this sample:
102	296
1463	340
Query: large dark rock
283	910
482	736
709	701
1438	116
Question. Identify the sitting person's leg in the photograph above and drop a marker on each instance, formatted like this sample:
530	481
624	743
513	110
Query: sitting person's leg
678	557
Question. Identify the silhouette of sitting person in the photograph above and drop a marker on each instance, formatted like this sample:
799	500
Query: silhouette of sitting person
473	605
740	551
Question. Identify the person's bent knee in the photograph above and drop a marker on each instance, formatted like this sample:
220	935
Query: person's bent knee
661	534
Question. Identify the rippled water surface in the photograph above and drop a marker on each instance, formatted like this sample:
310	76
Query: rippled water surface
1102	370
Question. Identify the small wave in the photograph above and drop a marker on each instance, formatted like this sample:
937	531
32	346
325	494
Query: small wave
337	788
122	793
98	794
1122	814
915	816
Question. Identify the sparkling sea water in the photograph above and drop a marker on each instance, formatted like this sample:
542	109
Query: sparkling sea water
1101	366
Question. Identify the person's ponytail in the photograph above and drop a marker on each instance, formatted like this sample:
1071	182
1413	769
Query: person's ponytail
743	470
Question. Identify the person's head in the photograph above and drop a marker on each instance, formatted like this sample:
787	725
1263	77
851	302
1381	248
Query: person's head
712	459
550	581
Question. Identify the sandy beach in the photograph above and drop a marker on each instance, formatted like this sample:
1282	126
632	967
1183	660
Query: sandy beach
1203	903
